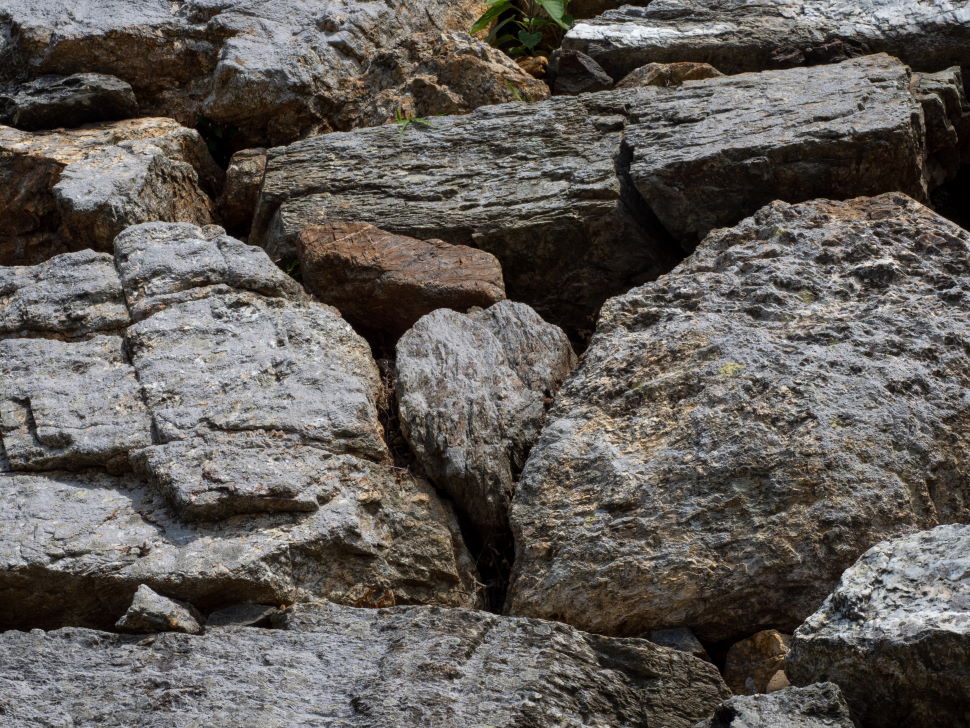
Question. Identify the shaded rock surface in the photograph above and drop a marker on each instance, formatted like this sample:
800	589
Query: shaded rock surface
385	282
752	663
237	202
741	430
472	392
228	397
743	35
667	74
339	666
572	72
895	632
65	101
816	706
151	612
269	71
74	189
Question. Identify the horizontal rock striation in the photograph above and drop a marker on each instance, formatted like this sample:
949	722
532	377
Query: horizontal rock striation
742	429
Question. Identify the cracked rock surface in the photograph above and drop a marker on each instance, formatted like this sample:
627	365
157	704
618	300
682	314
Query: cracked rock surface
815	706
742	429
332	665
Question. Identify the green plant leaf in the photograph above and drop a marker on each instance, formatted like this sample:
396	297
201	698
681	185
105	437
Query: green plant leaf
556	9
494	11
529	40
494	35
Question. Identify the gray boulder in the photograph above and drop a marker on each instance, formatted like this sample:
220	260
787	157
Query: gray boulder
75	189
815	706
330	665
472	392
895	633
151	612
268	71
929	35
742	429
65	101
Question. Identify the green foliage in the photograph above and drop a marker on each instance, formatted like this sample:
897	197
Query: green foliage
405	121
525	27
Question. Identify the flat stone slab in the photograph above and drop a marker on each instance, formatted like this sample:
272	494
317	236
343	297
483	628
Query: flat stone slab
753	35
741	430
330	666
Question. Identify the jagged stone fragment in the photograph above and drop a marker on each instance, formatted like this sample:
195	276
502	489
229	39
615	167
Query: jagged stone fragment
73	189
472	391
151	612
815	706
385	282
742	429
396	668
745	35
67	101
895	632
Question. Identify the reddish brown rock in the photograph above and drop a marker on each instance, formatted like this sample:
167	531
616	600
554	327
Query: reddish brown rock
752	663
667	74
386	282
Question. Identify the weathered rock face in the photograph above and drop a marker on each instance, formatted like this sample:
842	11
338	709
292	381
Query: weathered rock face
335	665
270	71
53	101
744	35
237	203
238	402
151	612
741	430
815	706
895	633
567	193
384	282
472	392
947	119
76	189
667	74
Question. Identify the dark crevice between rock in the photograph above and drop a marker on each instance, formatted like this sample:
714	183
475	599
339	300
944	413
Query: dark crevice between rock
952	199
494	554
219	138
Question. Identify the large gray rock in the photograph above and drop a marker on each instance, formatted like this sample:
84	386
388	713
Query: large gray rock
394	668
230	393
895	633
815	706
572	207
751	35
472	392
74	189
268	71
59	101
742	429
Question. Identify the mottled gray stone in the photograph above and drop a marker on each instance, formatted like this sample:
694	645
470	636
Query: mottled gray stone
267	71
708	153
752	35
742	429
70	296
151	612
69	404
895	633
394	668
472	392
73	189
815	706
64	101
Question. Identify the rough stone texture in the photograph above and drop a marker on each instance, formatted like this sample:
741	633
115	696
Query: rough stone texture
385	282
815	706
472	391
395	668
679	638
269	71
895	633
947	118
572	72
151	612
534	184
232	394
76	189
244	177
706	154
742	429
751	35
753	662
65	101
667	74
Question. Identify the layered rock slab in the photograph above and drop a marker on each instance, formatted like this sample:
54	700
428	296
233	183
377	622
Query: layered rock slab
472	395
929	35
895	632
741	430
268	71
341	666
66	101
816	706
68	190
